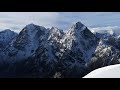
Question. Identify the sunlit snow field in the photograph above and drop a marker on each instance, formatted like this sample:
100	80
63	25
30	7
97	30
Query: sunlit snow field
112	71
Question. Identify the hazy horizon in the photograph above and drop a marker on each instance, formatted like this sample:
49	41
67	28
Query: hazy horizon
63	20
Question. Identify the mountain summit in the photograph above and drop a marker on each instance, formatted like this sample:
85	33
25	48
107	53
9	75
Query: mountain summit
6	37
78	26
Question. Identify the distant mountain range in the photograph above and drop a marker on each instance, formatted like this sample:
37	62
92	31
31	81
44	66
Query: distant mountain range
40	52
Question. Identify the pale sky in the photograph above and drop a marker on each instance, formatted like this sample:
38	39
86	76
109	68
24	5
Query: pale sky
63	20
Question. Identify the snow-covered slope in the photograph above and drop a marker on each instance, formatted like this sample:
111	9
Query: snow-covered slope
112	71
6	37
26	42
80	41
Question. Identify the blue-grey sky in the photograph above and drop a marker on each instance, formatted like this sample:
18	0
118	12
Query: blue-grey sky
63	20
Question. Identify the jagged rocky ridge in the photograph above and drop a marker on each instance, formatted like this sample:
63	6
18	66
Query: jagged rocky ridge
40	52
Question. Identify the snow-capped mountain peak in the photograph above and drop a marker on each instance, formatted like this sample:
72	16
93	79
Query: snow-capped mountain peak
55	33
27	41
7	30
6	37
30	26
78	26
56	29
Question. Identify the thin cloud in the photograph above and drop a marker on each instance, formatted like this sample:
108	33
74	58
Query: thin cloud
107	29
62	20
21	19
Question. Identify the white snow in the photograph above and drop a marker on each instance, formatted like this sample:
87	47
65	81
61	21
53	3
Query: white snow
75	35
62	50
112	71
118	36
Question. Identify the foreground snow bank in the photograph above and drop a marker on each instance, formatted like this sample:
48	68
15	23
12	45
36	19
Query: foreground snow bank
112	71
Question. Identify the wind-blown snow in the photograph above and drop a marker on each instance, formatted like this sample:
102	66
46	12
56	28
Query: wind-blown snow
112	71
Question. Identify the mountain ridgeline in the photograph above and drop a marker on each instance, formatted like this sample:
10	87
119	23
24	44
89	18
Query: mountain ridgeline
40	52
